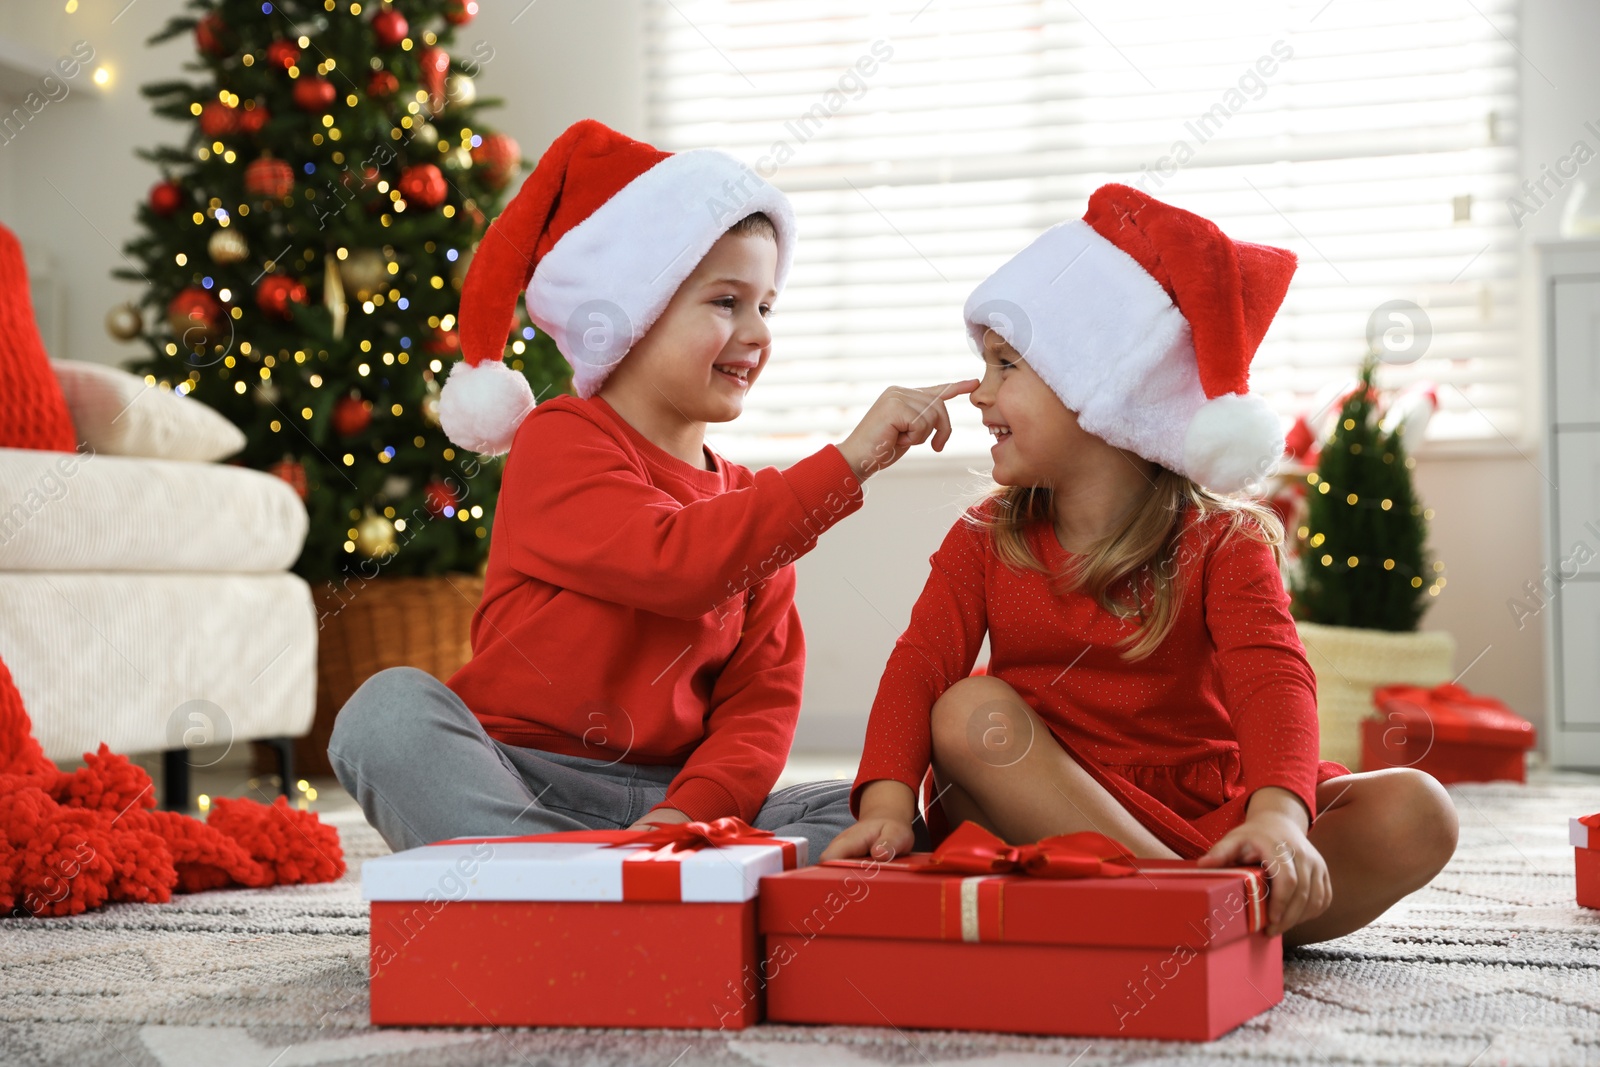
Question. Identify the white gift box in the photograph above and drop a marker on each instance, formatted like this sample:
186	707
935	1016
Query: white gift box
518	868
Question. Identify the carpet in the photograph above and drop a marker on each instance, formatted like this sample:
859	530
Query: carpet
1493	963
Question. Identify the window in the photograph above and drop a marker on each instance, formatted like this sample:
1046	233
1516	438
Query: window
924	143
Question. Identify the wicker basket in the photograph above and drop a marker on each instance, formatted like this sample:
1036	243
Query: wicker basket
367	626
1350	663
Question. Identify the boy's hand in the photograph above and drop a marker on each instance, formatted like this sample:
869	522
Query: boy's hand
898	419
660	817
1275	838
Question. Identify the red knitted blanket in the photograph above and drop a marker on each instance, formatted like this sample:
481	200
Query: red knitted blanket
71	842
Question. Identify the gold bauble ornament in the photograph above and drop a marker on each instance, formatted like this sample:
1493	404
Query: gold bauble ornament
424	134
375	536
460	90
458	158
124	322
227	246
430	409
364	272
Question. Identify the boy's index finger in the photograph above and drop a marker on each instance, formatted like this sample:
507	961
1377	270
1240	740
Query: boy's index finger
945	392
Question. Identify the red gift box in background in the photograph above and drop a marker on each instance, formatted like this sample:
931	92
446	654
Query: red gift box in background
592	928
1585	836
1447	731
1111	946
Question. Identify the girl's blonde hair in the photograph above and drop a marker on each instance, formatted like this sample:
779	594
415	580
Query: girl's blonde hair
1134	570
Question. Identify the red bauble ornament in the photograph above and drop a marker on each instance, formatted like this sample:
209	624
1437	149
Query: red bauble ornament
210	35
283	54
443	342
351	415
495	157
194	308
390	28
434	64
314	94
166	198
460	12
423	186
218	119
291	471
253	117
381	85
278	293
268	178
436	496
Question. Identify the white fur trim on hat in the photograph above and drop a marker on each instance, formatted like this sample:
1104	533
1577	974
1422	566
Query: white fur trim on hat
607	280
481	406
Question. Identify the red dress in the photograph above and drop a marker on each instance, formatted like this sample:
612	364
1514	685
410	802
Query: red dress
1224	706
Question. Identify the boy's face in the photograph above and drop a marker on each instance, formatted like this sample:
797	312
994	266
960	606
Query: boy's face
709	345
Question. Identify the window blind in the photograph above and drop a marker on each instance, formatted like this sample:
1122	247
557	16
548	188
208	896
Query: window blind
924	143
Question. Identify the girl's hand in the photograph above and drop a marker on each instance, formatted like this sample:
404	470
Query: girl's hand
1296	872
881	838
898	419
884	830
660	817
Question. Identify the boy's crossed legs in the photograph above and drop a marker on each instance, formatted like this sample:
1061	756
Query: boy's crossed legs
422	768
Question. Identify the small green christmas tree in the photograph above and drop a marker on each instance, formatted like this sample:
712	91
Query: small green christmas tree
1364	561
304	255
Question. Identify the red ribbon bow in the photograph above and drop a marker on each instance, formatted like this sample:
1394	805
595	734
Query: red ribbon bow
687	836
970	849
652	873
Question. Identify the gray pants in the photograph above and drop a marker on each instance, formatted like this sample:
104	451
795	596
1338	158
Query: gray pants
422	768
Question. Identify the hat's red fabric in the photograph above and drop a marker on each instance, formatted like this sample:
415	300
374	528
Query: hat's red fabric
1227	290
583	168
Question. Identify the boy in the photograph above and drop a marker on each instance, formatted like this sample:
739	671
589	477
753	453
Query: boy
637	655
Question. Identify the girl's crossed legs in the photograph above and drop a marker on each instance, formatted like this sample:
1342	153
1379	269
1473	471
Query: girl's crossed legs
1382	834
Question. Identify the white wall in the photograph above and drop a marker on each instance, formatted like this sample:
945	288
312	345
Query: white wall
559	60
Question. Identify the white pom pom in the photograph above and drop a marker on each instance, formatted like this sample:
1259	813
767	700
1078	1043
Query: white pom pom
1234	441
482	406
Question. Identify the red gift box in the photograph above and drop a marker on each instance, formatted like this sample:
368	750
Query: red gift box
593	928
1451	733
1072	936
1585	836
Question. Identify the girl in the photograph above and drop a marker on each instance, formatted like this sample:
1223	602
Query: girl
1145	678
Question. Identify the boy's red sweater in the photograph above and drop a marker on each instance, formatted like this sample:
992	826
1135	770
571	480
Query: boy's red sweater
640	609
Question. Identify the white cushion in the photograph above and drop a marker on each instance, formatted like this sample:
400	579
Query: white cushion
77	511
141	660
117	414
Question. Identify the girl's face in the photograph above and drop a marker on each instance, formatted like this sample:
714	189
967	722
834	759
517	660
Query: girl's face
709	345
1038	442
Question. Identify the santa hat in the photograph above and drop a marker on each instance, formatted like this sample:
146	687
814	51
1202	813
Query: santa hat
600	236
1143	319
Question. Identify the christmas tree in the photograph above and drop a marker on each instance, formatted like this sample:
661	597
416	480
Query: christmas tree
1363	559
304	255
